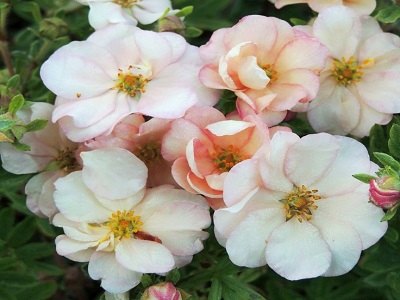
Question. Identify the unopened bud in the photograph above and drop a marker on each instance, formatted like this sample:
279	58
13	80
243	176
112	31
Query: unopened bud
383	191
52	28
171	23
162	291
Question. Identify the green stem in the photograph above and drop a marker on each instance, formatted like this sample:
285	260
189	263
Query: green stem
5	52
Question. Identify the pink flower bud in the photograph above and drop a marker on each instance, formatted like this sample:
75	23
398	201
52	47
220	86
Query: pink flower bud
162	291
383	193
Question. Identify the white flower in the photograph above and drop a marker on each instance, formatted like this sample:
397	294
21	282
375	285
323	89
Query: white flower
298	208
122	230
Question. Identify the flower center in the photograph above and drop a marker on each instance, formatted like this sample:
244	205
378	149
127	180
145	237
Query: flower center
149	153
124	224
271	73
126	3
348	72
300	202
133	82
65	161
225	159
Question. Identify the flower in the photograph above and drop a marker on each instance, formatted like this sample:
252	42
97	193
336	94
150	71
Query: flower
359	85
362	7
123	230
105	12
121	70
384	191
298	209
162	291
270	73
51	154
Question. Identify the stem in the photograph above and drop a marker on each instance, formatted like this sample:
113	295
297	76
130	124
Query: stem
5	52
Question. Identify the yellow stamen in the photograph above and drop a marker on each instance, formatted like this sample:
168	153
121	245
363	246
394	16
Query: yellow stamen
271	73
126	3
149	153
226	158
124	224
132	84
349	71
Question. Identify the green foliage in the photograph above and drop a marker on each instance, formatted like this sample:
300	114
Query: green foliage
389	14
364	177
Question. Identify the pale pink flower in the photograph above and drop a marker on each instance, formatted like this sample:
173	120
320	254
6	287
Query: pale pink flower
359	85
121	229
51	154
162	291
105	12
142	139
269	65
298	209
121	70
361	7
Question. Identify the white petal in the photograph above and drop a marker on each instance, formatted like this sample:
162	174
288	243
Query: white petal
113	173
297	250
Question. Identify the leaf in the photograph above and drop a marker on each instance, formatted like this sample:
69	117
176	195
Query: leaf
390	214
382	258
9	295
296	21
215	290
16	103
22	232
173	276
389	14
45	227
184	12
29	8
21	146
15	279
36	125
7	221
387	160
392	235
45	268
366	178
2	6
7	262
35	250
234	289
394	140
146	280
40	291
6	137
14	82
193	32
18	131
6	123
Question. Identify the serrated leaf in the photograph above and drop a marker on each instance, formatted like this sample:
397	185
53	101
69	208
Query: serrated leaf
35	250
389	14
184	12
215	290
37	124
14	82
22	232
40	291
15	279
16	103
394	140
366	178
387	160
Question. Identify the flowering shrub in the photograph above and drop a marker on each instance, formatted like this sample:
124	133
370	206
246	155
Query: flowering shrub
157	149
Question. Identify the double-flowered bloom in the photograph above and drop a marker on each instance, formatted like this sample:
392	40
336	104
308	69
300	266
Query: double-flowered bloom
298	209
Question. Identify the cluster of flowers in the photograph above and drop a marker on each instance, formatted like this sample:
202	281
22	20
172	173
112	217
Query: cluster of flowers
137	155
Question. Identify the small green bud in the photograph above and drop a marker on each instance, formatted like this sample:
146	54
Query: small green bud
52	28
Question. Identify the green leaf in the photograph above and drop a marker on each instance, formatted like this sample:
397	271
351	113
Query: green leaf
18	131
22	232
234	289
14	82
45	268
7	262
387	160
16	103
7	216
7	295
35	250
193	32
31	8
2	6
40	291
390	214
184	12
6	123
215	290
392	235
21	146
45	227
394	140
37	124
388	14
173	276
364	177
146	280
383	257
15	279
296	21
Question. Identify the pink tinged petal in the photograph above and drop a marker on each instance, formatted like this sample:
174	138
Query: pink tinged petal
113	173
385	99
301	53
216	181
109	34
272	163
228	127
241	179
149	11
178	44
351	158
201	187
344	244
175	140
319	5
66	245
378	46
338	19
336	113
180	170
114	277
251	75
309	160
210	77
308	79
79	70
78	203
144	256
355	209
103	14
297	250
247	243
204	115
287	96
122	204
368	118
215	47
197	153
